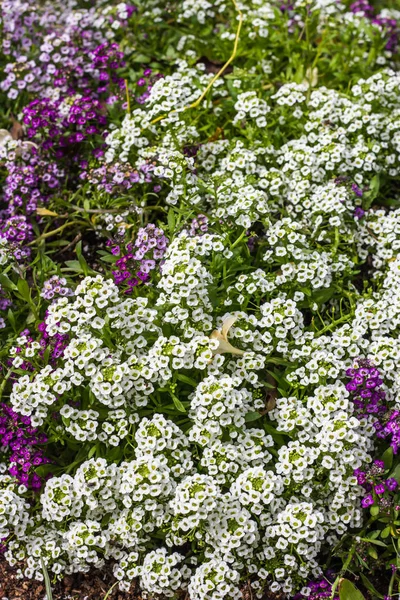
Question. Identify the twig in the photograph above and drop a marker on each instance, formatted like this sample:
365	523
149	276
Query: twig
76	239
97	211
128	102
110	590
217	75
55	231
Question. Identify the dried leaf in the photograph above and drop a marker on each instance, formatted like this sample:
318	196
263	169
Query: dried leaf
4	136
44	212
225	346
17	130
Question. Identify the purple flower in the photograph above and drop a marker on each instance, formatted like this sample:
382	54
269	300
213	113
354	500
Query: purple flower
367	501
391	484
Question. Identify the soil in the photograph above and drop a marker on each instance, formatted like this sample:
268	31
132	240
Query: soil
88	586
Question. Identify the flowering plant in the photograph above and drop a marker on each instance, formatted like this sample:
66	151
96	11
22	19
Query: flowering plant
200	295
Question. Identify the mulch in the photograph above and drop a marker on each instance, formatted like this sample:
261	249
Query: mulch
80	586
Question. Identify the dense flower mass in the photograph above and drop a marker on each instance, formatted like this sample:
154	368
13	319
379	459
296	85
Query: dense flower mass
200	295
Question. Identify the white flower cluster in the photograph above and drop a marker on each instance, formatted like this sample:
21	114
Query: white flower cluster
215	483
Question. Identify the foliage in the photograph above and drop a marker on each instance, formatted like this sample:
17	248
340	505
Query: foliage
200	295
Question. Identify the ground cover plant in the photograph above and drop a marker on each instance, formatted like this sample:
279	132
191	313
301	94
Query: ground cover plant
200	296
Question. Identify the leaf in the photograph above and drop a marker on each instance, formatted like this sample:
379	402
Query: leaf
373	192
17	130
252	416
171	220
73	265
374	510
6	282
187	380
348	591
93	450
178	404
372	541
387	457
110	590
44	470
81	259
44	212
396	473
47	583
370	587
23	289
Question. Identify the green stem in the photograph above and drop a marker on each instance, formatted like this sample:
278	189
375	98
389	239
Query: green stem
242	235
343	570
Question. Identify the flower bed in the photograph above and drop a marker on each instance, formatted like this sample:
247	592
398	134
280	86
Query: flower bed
200	311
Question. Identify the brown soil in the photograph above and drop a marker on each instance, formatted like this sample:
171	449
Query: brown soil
89	586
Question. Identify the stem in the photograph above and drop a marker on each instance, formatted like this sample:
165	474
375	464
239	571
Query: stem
54	231
343	571
242	235
128	102
110	590
97	210
217	75
391	584
332	325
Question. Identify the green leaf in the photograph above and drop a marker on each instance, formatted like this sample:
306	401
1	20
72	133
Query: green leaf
370	587
373	192
24	290
396	473
109	259
47	583
374	510
82	261
252	416
11	318
171	220
6	282
92	450
387	457
187	380
73	265
372	541
178	404
348	591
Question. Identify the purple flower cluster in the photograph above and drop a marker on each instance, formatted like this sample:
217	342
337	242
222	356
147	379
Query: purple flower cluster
4	301
319	589
106	59
30	181
17	231
368	398
389	426
364	385
199	225
389	26
50	47
55	286
57	343
147	81
141	258
20	440
116	177
63	125
375	485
